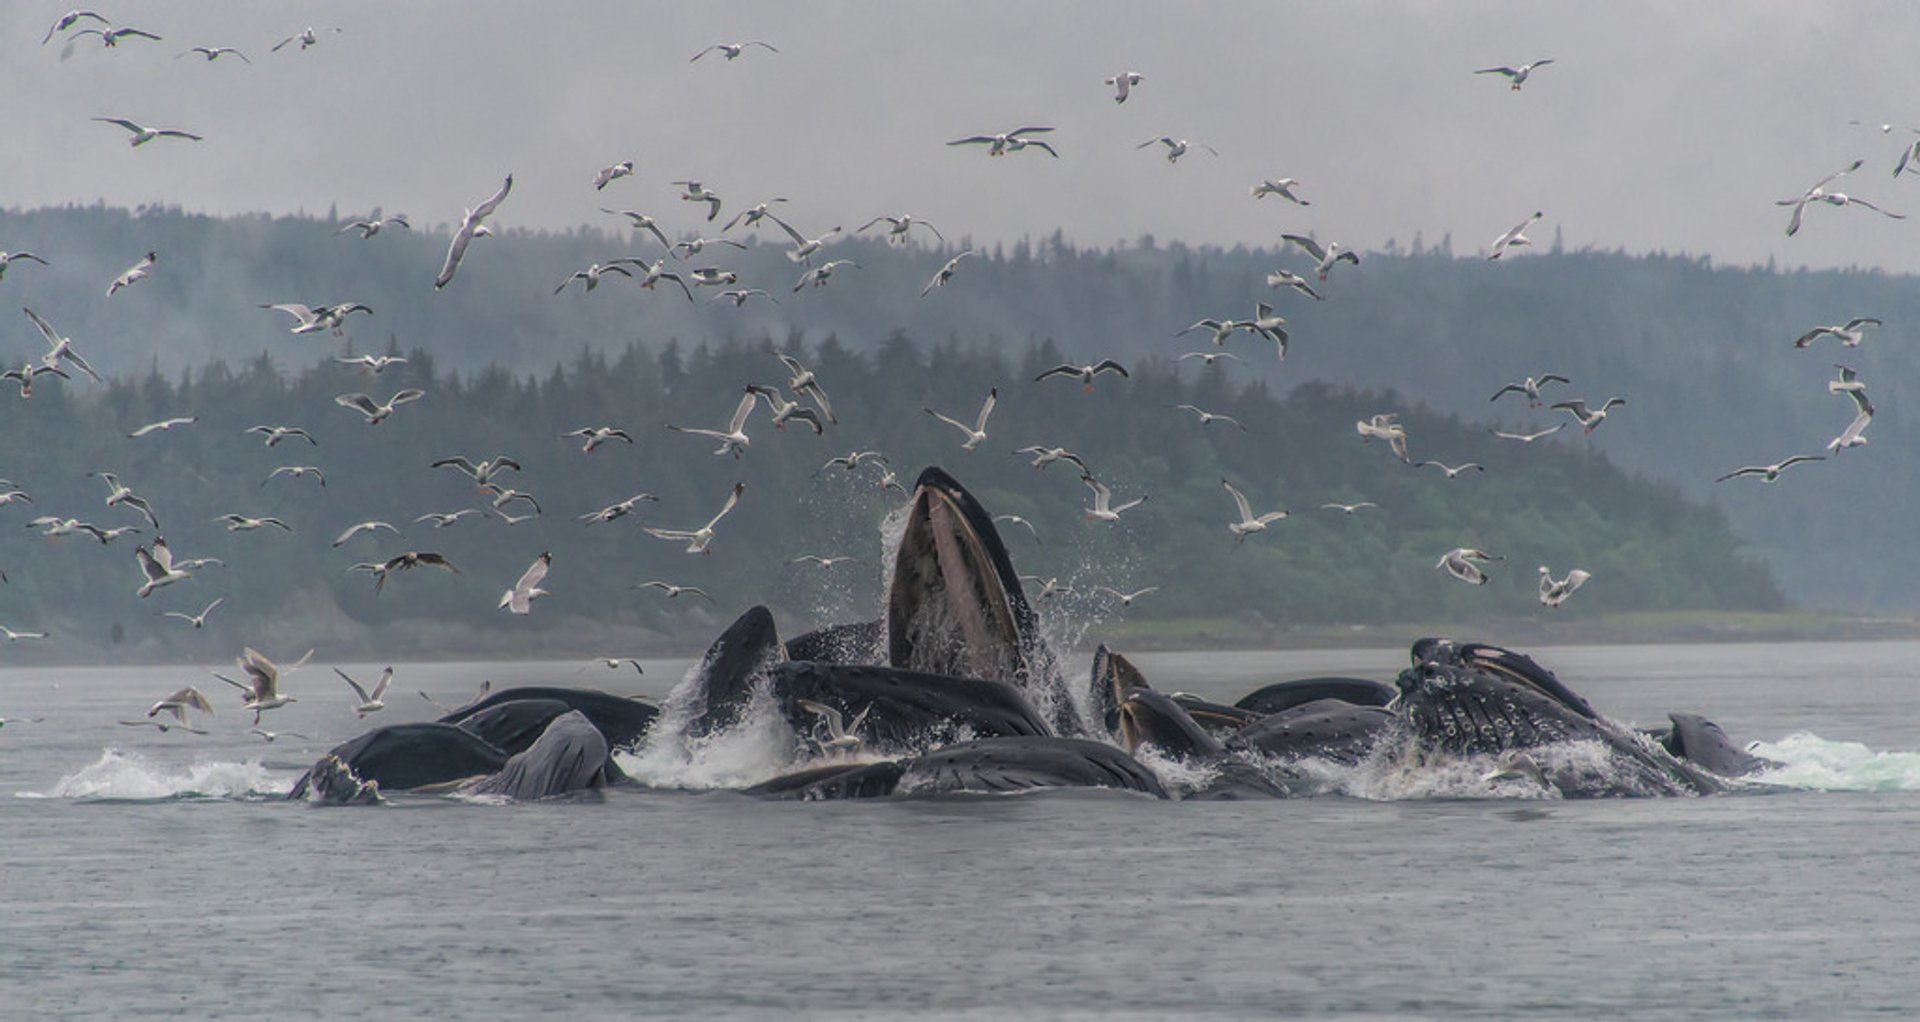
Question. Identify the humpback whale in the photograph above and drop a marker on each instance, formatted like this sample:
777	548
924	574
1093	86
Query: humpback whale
859	642
623	720
910	709
1701	742
1150	718
982	767
401	757
724	681
569	756
1284	695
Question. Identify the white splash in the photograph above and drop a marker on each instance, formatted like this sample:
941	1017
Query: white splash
118	774
759	747
1809	761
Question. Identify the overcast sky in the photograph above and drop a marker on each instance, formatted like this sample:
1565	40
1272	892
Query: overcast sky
1661	126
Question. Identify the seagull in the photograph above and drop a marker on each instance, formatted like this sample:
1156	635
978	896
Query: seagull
143	134
1009	142
1848	383
1514	238
376	413
1044	456
1516	75
608	175
1209	418
1288	278
672	590
1453	471
1049	586
519	599
407	562
10	496
733	439
375	364
55	527
275	434
1770	473
1176	147
699	539
697	192
1210	357
119	494
620	509
657	271
841	736
471	227
157	568
853	460
803	247
308	37
138	271
1819	193
1383	427
641	222
1459	563
1527	438
162	425
613	663
1123	84
1248	524
592	273
13	636
1590	420
1281	186
784	409
296	471
1126	599
360	527
819	561
1017	520
739	296
112	35
163	726
1222	329
481	473
1849	334
1909	157
502	496
1348	509
369	701
732	51
803	381
263	693
1855	433
59	349
897	233
1530	387
1554	593
276	735
25	374
593	436
369	228
1103	509
1084	374
945	273
196	620
8	258
319	318
242	523
67	21
1266	323
696	245
442	519
1327	256
179	701
752	215
714	276
976	433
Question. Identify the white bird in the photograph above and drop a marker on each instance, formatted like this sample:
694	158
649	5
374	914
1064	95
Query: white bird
1347	509
314	319
242	523
897	233
59	349
442	519
802	381
1022	522
504	495
1514	238
1084	373
137	272
276	735
8	258
369	701
1849	333
1176	147
1281	186
196	620
1855	433
657	271
112	35
1222	329
1326	257
68	20
608	175
699	539
739	296
841	736
13	636
733	439
732	51
713	276
264	692
1044	456
157	568
483	472
25	375
375	364
179	701
1123	84
1210	357
1383	427
1126	599
945	273
377	413
803	247
1248	523
851	461
1270	325
672	590
591	275
306	38
641	222
374	225
519	599
472	225
1553	592
163	424
1770	473
818	561
275	434
118	493
694	191
143	134
1009	142
1288	278
784	409
297	472
1459	563
696	245
1589	419
1527	438
359	527
1516	75
1103	509
163	726
752	215
1049	586
592	437
1819	193
11	496
977	433
1453	471
1530	387
1849	382
618	509
1209	418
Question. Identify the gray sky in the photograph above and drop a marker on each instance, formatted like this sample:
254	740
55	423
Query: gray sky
1662	126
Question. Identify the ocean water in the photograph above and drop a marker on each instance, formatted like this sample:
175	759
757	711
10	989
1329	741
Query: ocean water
160	875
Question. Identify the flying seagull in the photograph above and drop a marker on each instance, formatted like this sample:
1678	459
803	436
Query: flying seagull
1770	473
1249	523
1123	84
1009	142
698	540
1589	419
143	134
137	272
733	439
471	226
377	413
1849	333
1516	75
369	701
732	51
1554	592
1084	373
519	599
1514	238
977	433
1460	563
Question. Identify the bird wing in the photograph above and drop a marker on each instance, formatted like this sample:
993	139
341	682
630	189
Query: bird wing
485	209
455	251
358	401
535	574
732	499
1059	370
357	690
45	328
986	410
1109	365
955	423
741	412
1311	246
1239	501
404	396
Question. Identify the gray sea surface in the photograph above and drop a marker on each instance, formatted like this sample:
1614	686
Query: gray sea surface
160	875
